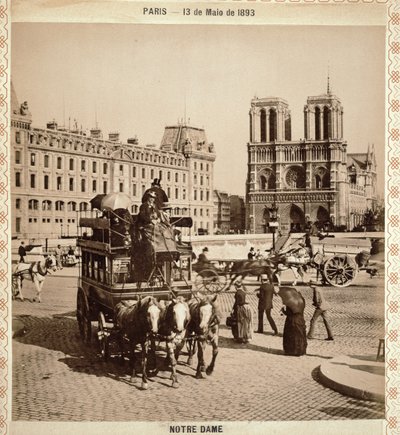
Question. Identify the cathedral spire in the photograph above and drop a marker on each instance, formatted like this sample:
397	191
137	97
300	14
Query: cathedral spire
328	86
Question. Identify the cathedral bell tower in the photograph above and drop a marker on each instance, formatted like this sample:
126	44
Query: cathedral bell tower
323	117
269	120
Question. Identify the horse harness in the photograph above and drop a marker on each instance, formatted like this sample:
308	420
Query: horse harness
31	271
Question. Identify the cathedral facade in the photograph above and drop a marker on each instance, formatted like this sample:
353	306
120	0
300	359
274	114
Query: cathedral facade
56	171
310	180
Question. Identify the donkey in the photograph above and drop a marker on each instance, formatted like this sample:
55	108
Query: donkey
139	322
36	271
173	323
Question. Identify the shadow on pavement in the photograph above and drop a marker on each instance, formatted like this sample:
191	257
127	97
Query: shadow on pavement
60	333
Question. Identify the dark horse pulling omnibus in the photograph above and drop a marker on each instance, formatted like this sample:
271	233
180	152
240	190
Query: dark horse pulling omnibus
113	270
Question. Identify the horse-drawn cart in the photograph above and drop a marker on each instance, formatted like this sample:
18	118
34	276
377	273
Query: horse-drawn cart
337	260
111	271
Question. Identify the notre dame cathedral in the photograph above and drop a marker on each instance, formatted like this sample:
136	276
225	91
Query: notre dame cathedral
313	179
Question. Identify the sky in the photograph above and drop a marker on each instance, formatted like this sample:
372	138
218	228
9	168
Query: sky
137	79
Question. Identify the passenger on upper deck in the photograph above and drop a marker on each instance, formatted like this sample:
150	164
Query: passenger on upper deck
148	212
161	196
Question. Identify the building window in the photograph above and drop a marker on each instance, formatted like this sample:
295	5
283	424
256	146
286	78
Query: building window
195	195
201	180
201	212
83	206
121	169
33	181
83	165
46	182
176	177
176	193
121	187
71	184
59	163
18	203
134	171
169	176
105	168
59	205
152	173
184	194
201	195
207	195
46	205
18	225
94	186
143	173
184	178
46	161
195	165
17	157
134	190
94	167
18	179
195	211
104	186
71	206
71	164
168	192
83	185
17	137
33	204
59	183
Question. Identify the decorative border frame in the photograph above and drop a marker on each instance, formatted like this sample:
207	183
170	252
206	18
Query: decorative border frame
392	184
392	192
5	236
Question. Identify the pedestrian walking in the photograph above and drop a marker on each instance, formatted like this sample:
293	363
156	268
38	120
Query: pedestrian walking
242	313
294	331
22	252
265	294
58	252
321	308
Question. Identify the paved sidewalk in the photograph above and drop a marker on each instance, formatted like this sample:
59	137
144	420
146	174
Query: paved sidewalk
361	377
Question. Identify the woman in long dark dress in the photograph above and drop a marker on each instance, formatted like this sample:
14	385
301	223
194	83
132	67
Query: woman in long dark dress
294	331
243	332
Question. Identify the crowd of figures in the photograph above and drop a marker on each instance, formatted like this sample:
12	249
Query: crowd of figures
294	332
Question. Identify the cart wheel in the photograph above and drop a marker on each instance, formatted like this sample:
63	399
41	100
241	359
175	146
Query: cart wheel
103	336
82	316
222	281
199	283
211	280
340	270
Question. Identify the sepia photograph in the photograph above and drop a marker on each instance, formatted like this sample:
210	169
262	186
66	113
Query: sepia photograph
197	222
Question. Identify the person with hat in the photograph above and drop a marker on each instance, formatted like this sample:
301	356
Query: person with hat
160	198
252	254
265	294
22	252
321	308
165	214
203	256
242	313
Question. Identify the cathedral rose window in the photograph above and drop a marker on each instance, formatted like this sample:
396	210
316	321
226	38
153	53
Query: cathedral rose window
295	177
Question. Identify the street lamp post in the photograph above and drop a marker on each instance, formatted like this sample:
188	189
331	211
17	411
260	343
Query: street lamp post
273	223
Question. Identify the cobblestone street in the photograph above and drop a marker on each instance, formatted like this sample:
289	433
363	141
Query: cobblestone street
57	378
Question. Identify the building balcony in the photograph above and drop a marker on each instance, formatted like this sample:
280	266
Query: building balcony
310	195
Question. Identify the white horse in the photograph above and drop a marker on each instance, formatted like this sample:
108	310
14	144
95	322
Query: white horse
36	271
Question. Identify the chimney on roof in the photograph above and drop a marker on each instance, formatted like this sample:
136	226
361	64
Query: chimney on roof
113	137
95	133
133	140
52	125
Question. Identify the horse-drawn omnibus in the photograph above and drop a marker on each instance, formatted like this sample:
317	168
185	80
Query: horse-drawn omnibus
112	263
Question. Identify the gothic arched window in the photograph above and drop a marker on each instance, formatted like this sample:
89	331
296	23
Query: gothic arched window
273	128
317	124
327	123
263	126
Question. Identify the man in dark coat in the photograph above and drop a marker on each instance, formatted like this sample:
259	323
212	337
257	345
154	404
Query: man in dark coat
265	295
22	252
161	196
